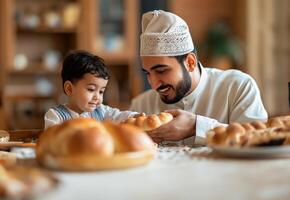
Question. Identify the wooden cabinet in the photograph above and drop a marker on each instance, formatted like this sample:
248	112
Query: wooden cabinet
36	35
112	33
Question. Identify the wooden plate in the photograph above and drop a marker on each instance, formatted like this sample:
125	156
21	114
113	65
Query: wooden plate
90	163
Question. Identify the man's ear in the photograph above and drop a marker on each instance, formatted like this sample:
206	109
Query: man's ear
191	62
68	87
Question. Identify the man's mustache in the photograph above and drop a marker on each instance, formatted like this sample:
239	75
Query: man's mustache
161	87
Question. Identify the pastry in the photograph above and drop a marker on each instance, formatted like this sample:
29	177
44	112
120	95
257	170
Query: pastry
4	136
150	122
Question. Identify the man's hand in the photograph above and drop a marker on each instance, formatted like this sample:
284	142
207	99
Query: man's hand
182	126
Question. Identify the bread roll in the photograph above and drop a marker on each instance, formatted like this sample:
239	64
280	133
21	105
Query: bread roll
217	136
150	122
258	125
4	136
275	131
234	133
248	127
275	122
87	144
7	158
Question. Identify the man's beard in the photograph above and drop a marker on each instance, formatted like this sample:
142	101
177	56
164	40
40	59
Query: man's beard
182	88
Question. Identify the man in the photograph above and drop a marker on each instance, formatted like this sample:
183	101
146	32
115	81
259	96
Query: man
199	98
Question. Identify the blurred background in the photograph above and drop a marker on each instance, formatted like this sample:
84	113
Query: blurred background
35	35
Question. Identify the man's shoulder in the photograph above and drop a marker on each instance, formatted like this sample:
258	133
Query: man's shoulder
230	75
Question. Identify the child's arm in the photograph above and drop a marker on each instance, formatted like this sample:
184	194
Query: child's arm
115	115
51	118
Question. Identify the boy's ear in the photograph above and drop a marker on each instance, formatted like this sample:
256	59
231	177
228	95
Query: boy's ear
68	88
191	62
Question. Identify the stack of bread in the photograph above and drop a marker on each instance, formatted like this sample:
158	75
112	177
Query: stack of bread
87	144
275	131
150	122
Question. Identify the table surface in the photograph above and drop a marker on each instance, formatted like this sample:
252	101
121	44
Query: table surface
182	172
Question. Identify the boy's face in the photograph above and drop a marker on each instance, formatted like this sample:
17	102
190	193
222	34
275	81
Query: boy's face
87	93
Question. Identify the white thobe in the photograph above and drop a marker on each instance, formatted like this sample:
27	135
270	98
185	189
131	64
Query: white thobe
221	97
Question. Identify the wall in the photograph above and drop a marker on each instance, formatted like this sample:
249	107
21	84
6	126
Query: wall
268	51
201	15
263	27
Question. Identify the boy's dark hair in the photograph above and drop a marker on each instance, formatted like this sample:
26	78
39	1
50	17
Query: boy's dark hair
78	62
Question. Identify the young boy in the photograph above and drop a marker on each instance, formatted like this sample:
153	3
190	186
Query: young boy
84	77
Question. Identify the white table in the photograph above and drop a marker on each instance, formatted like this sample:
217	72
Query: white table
182	173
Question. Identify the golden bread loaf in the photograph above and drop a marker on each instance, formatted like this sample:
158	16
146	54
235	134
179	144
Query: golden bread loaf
150	122
87	144
276	131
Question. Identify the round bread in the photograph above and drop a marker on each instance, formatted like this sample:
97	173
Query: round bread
4	136
216	136
248	127
150	122
87	144
234	131
275	122
258	125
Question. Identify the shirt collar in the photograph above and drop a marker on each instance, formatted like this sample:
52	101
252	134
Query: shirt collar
76	114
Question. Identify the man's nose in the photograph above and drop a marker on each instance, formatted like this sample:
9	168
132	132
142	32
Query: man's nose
154	82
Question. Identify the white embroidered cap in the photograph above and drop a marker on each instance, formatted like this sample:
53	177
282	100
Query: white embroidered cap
164	34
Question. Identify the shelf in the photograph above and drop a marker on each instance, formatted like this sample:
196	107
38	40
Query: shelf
61	30
13	92
35	68
114	57
31	122
25	87
28	96
33	72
